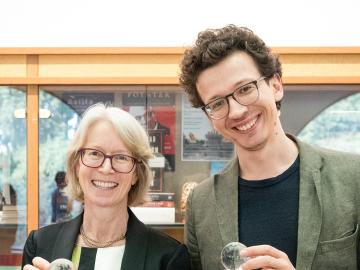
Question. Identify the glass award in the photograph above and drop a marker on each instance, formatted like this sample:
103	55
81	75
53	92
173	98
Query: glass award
61	264
230	256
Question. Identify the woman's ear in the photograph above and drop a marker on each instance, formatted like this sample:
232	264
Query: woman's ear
77	168
134	178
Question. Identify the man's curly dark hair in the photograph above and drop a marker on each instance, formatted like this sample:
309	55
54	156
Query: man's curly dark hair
214	45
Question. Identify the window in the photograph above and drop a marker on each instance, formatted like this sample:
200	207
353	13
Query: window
13	200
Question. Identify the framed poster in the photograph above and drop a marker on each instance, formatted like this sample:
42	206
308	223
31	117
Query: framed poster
157	183
155	111
81	101
200	142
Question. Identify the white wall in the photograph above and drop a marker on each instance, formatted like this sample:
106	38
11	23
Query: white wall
120	23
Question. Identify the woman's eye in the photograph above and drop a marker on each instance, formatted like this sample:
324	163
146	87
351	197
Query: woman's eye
93	154
121	158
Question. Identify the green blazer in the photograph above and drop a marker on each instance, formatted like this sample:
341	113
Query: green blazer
329	212
145	248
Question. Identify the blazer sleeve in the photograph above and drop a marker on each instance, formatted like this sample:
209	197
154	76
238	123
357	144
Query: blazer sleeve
190	236
179	260
29	251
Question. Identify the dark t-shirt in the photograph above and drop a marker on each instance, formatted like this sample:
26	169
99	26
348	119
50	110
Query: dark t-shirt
268	211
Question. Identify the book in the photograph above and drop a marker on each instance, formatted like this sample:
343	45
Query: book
155	215
13	220
161	196
14	207
13	214
158	204
7	214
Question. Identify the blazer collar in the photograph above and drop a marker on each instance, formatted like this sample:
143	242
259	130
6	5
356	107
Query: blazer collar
66	238
136	243
226	196
310	205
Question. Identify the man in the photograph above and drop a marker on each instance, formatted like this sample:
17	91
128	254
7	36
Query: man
166	142
292	204
59	200
153	123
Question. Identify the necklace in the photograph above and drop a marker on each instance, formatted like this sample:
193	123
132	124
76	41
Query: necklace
97	244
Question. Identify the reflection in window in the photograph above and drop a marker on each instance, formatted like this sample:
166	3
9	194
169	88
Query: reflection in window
337	127
57	125
13	231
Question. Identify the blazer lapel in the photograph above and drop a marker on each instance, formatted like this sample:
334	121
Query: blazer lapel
136	244
310	213
66	239
226	196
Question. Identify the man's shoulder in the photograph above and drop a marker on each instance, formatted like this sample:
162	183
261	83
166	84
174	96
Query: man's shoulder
204	186
331	162
327	154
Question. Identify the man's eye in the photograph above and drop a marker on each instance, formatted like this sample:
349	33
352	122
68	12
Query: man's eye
217	104
246	89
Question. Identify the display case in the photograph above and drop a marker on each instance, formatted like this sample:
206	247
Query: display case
58	84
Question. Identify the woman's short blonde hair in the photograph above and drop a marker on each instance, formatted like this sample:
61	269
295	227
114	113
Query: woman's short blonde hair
130	132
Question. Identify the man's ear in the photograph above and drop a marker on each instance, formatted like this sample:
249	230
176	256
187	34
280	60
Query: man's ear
277	86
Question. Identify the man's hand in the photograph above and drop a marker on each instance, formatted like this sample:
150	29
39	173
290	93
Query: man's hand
265	257
38	264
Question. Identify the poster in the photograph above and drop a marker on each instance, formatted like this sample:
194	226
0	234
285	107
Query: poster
200	142
81	101
157	182
156	111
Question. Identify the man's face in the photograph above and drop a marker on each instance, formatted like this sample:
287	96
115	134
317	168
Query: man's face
248	127
151	119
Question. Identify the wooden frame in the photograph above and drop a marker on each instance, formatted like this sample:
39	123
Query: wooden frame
152	66
141	66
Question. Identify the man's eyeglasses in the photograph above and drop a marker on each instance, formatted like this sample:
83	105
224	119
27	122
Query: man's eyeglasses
246	94
119	162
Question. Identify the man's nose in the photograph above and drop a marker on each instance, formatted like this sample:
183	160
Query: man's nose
236	110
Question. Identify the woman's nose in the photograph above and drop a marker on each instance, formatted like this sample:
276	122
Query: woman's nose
106	166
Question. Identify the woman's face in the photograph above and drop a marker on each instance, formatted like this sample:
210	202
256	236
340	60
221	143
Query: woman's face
103	186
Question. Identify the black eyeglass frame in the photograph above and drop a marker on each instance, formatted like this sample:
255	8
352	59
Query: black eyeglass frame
255	82
82	152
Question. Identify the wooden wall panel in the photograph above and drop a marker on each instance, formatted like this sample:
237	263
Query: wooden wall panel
105	66
156	66
12	66
332	65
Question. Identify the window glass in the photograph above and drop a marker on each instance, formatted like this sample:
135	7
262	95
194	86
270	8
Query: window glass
57	124
186	148
13	229
337	127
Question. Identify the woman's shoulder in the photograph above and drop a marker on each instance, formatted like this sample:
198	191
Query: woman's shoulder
160	238
53	229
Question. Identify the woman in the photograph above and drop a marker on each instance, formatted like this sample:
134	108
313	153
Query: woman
107	169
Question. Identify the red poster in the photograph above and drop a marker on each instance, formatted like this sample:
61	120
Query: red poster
157	113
